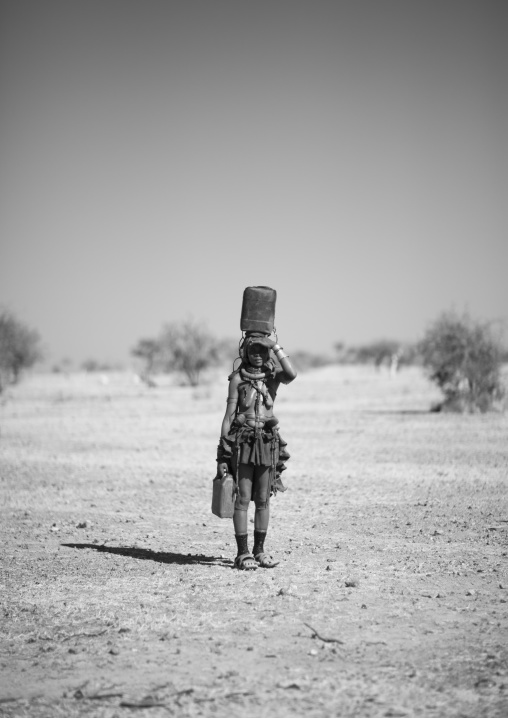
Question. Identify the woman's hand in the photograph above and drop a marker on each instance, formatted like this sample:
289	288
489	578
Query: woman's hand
272	344
222	469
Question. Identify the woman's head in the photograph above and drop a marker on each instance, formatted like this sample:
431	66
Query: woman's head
257	354
256	350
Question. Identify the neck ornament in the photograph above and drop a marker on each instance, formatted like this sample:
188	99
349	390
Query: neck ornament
252	374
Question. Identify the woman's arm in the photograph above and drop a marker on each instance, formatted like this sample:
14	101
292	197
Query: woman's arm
287	367
222	467
231	405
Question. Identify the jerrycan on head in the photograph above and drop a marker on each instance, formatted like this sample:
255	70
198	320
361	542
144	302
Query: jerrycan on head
258	310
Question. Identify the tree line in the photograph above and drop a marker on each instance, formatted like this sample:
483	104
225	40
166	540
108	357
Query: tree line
462	356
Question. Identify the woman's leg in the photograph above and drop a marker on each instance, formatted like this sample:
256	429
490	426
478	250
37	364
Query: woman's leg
262	497
262	501
245	477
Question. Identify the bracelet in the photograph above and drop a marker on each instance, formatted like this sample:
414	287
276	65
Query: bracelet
280	354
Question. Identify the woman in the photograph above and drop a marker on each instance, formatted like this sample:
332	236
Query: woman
250	446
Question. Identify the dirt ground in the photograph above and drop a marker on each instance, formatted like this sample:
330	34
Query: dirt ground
118	592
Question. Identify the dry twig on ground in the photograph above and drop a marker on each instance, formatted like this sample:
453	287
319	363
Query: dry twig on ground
322	638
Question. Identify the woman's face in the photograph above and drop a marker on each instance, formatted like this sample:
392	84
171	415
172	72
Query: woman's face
257	354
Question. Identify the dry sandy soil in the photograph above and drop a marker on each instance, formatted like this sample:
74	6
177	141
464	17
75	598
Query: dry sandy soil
118	591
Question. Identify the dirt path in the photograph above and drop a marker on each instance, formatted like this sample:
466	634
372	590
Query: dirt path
117	582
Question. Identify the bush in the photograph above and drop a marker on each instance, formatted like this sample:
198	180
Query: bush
94	365
463	358
377	352
389	352
19	348
186	346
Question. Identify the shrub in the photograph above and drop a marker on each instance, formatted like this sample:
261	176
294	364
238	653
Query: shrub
377	352
388	352
463	358
19	348
94	365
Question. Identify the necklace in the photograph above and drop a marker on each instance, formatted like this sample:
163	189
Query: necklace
258	382
253	375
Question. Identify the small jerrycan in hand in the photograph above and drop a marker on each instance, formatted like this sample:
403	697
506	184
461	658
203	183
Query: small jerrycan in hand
223	496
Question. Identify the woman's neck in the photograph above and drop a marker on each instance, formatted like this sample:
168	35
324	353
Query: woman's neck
253	369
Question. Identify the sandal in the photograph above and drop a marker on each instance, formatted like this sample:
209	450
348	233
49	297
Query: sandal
245	562
265	561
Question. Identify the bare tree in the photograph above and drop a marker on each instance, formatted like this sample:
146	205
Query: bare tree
185	346
188	347
19	348
148	350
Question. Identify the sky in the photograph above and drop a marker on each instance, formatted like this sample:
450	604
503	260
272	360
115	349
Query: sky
159	156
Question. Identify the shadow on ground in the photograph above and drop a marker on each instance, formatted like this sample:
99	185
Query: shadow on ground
157	556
